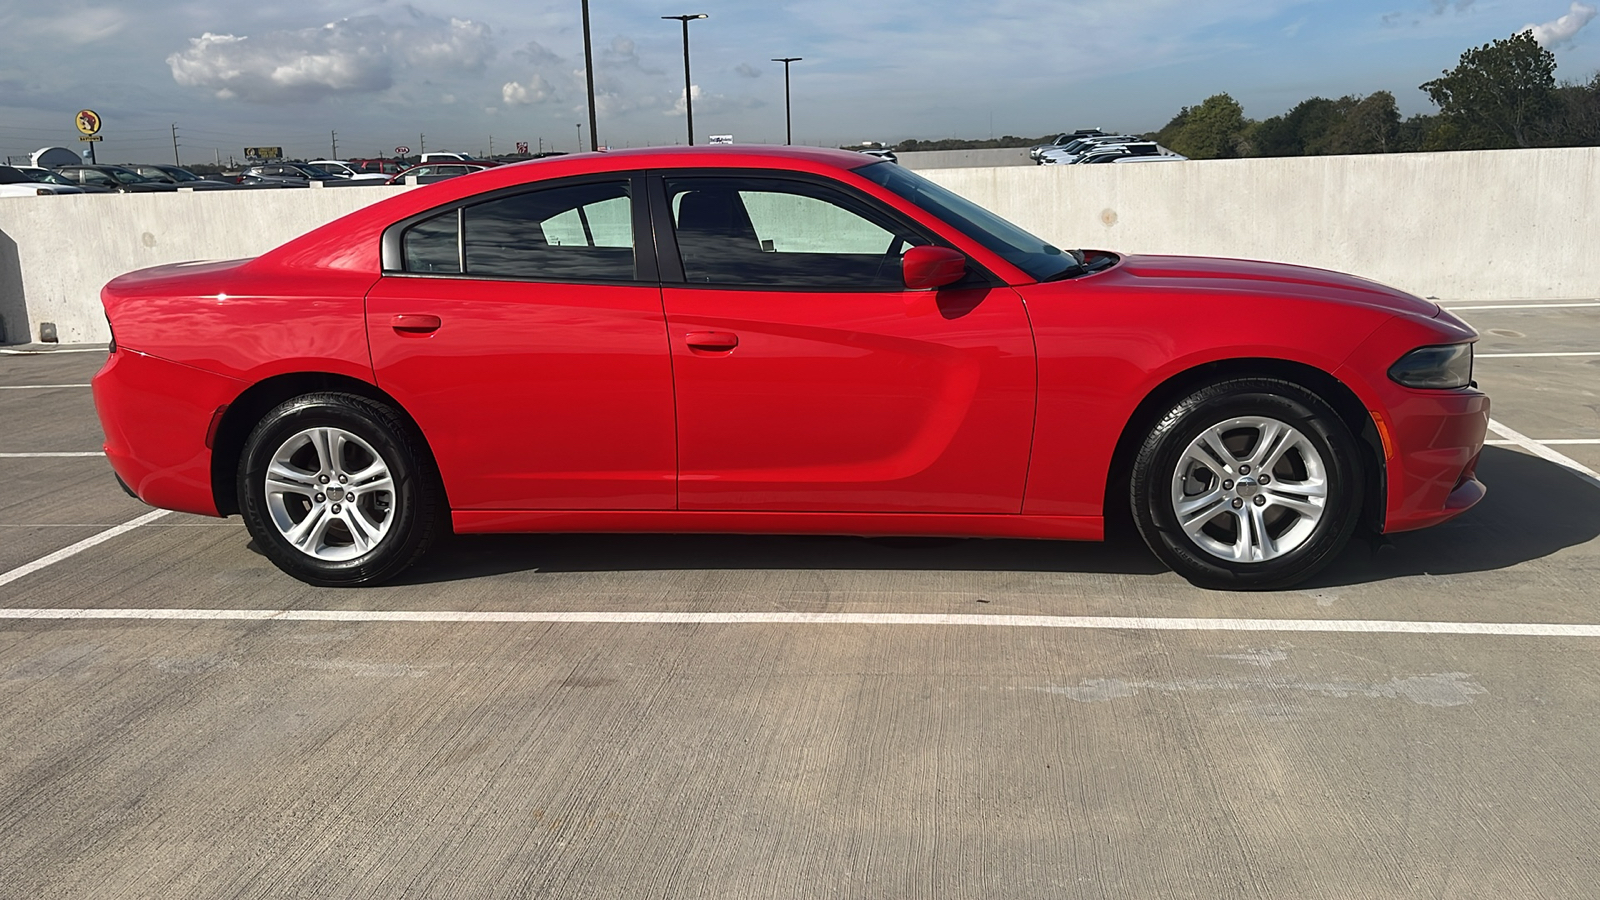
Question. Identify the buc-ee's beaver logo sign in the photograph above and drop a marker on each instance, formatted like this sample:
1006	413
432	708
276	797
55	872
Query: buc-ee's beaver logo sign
88	121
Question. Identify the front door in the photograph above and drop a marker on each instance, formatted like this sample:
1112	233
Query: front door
809	379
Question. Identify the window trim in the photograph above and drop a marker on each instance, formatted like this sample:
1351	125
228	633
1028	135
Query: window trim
671	260
392	248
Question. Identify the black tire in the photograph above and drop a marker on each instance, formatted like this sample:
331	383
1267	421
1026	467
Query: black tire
342	548
1241	412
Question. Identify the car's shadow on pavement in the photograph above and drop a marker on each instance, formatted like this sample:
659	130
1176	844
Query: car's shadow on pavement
1532	510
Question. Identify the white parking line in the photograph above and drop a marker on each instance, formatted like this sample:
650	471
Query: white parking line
38	387
1540	450
52	352
68	552
1520	306
52	455
1548	442
1135	623
1528	355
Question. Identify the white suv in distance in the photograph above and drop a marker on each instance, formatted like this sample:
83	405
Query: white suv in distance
1071	153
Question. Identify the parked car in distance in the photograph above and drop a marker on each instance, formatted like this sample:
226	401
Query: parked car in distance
1116	152
296	174
1071	152
775	339
18	184
384	167
1158	158
428	174
1061	140
445	156
116	178
50	176
177	175
349	171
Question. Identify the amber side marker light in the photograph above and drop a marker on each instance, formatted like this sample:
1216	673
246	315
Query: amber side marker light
1383	434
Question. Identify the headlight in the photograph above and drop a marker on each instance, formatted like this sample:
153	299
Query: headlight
1442	367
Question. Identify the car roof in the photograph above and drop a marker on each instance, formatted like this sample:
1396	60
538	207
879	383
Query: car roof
340	244
842	159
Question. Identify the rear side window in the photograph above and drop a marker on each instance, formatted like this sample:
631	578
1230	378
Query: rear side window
433	246
580	233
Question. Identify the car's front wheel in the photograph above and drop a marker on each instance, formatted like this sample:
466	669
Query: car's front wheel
1250	483
335	492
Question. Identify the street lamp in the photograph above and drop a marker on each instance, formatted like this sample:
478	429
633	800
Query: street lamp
688	89
588	67
788	122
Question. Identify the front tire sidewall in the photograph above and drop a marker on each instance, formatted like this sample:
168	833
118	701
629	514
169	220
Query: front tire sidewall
373	424
1162	451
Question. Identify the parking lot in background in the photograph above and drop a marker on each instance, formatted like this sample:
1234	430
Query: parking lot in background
698	716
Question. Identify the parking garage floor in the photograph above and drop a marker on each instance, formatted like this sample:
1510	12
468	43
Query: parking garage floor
745	717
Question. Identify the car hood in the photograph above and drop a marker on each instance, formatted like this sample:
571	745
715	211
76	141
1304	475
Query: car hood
1214	275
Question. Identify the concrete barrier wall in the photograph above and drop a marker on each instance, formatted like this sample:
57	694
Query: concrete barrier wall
964	159
57	252
1504	224
1513	224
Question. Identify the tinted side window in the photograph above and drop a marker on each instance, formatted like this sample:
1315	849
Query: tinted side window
772	232
431	245
579	233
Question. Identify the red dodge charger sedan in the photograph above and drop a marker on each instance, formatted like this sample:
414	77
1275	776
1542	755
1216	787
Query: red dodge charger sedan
775	340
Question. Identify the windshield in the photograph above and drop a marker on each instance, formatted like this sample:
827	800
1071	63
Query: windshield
1040	260
177	174
45	176
128	176
317	172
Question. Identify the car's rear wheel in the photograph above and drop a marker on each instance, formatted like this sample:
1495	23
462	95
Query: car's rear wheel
1251	483
334	491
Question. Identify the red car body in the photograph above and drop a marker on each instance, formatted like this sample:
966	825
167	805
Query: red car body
1009	408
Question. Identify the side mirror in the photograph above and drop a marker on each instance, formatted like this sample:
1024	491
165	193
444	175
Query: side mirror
932	267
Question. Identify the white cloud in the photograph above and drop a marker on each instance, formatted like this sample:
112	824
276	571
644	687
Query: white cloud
712	104
681	107
747	70
356	55
1561	31
537	90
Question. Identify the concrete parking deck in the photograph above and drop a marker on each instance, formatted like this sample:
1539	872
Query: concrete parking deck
682	716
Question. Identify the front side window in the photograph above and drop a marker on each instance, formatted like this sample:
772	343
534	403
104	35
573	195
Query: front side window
575	233
735	230
1042	261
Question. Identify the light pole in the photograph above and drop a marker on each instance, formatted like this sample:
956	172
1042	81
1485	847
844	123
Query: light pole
588	66
788	121
688	88
580	137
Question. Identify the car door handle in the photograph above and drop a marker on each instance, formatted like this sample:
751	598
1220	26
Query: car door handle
713	341
410	323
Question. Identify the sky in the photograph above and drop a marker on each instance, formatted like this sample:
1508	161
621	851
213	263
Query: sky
476	75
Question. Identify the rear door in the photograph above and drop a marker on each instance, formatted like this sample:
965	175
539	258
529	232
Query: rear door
809	379
529	345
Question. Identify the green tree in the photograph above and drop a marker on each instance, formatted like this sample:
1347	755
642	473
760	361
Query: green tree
1298	131
1576	119
1499	95
1369	124
1213	130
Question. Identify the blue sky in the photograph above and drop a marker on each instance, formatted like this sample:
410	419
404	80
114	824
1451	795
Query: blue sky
382	74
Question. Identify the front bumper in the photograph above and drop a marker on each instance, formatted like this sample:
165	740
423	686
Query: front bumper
1436	437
